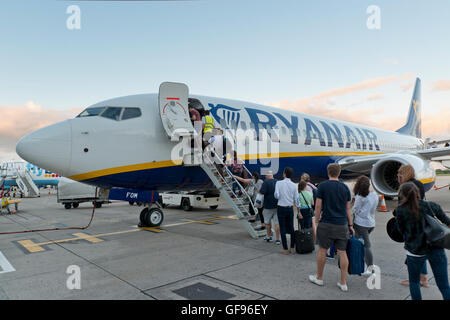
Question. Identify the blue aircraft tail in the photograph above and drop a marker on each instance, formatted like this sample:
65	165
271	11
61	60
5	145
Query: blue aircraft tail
413	126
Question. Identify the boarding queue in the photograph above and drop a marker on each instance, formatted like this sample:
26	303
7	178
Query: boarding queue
338	221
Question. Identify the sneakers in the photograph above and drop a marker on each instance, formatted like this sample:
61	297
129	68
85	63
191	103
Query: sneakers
277	242
284	252
268	239
318	282
343	287
292	250
314	280
367	273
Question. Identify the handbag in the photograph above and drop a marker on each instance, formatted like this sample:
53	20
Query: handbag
310	209
437	234
259	200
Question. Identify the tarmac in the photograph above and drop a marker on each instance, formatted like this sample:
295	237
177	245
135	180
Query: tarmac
200	254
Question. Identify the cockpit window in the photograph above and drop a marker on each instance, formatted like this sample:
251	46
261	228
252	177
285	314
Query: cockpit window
130	113
90	112
112	113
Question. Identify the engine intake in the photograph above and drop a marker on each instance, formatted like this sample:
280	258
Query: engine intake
384	172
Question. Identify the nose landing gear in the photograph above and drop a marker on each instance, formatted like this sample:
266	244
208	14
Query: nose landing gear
151	217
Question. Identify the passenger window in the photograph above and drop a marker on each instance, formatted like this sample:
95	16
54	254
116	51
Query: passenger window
130	113
112	113
91	112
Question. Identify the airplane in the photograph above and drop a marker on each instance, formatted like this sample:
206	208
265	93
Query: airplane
128	142
41	177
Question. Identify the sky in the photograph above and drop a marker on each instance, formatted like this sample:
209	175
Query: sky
317	57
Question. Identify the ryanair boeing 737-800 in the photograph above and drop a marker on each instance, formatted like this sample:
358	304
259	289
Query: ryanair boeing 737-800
128	142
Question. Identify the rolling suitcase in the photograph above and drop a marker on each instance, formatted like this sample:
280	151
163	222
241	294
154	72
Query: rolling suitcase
355	254
304	240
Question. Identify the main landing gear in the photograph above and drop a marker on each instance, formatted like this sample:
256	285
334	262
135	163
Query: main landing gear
151	217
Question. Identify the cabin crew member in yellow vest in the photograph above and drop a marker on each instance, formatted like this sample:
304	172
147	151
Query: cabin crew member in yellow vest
208	126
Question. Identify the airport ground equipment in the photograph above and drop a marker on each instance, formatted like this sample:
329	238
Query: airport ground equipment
188	200
71	193
26	185
240	201
6	202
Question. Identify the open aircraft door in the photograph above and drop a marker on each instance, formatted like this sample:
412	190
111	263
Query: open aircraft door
173	107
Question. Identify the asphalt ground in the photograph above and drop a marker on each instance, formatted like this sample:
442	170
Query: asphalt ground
201	254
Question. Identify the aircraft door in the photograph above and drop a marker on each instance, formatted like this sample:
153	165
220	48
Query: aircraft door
173	107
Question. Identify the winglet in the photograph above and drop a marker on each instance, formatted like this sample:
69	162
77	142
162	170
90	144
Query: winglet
413	126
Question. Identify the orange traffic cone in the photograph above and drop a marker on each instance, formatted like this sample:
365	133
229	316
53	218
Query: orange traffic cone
382	207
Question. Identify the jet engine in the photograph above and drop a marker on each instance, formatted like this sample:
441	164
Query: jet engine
384	172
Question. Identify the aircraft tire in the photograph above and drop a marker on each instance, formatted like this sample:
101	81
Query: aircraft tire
154	217
186	204
142	217
67	206
75	205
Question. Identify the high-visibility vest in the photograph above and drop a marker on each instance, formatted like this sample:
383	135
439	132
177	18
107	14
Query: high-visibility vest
209	124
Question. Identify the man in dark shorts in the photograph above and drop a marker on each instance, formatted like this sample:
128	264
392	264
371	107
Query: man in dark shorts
333	223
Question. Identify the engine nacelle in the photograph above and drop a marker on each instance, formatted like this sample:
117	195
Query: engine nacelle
384	173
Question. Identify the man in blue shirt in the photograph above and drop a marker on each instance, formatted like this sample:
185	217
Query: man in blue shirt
333	223
270	207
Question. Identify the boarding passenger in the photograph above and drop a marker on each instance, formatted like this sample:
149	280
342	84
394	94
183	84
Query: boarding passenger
270	208
287	195
253	192
364	212
409	221
405	174
309	186
218	143
333	223
194	114
237	168
305	213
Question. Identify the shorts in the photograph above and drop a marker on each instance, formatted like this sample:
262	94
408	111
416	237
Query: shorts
270	214
328	233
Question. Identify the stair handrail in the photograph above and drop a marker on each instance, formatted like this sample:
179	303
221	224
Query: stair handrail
244	192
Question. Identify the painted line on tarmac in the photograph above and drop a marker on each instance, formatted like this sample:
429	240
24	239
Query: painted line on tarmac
5	265
33	247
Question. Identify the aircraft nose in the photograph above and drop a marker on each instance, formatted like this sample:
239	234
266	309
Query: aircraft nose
48	148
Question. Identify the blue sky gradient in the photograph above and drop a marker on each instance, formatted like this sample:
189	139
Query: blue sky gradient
248	49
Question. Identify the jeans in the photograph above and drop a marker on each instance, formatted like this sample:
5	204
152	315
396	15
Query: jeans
306	222
438	262
286	221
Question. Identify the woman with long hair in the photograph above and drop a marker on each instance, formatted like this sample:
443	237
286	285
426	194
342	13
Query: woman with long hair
364	210
405	174
410	214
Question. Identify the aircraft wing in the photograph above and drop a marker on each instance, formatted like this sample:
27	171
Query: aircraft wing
363	164
434	153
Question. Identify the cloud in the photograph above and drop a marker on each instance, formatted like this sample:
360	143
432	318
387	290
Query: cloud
17	121
376	96
379	117
441	85
407	86
326	96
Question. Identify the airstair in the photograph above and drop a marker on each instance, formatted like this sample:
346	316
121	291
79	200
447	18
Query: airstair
173	105
240	201
25	183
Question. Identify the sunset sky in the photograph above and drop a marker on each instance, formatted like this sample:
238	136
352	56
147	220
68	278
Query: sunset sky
316	57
